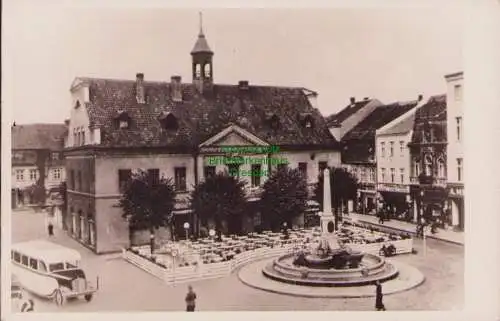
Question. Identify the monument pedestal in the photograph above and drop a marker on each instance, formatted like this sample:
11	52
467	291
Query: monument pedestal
327	224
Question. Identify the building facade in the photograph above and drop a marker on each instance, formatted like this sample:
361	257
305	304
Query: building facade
37	165
429	159
359	152
394	165
455	159
173	129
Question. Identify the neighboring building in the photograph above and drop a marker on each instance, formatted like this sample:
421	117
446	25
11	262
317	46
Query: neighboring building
37	160
358	153
171	128
345	120
455	154
428	157
394	165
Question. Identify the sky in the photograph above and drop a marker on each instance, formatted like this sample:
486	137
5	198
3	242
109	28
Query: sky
391	54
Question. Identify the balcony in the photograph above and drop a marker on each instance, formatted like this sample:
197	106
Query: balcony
428	180
392	187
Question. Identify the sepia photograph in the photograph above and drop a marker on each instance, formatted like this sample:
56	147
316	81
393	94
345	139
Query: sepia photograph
236	159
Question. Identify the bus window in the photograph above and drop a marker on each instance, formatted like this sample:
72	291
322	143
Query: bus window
24	260
34	264
42	267
70	266
17	257
56	267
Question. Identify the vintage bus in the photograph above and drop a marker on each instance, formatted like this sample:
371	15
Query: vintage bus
50	270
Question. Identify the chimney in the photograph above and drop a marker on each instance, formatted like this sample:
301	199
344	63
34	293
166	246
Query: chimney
66	122
243	84
139	88
366	98
420	97
176	88
353	100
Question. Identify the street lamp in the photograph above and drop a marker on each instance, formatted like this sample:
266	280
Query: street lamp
186	227
423	225
152	242
212	234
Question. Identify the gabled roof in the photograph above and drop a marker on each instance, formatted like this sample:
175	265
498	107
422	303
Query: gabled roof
201	116
382	115
348	111
38	136
401	125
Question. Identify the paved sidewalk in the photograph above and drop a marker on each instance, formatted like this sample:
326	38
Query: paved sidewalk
442	235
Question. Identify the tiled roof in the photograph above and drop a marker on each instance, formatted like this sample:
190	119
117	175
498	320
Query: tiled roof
431	114
200	116
359	141
345	113
38	136
402	127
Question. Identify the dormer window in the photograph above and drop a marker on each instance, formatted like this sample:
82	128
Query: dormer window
122	120
273	121
123	124
306	120
169	121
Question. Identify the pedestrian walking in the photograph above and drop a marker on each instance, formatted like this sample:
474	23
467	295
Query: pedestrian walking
50	228
379	304
381	218
190	300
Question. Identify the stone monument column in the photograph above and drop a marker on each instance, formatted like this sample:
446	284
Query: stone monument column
327	218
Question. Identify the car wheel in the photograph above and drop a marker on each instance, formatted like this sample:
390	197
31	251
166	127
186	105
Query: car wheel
58	297
88	297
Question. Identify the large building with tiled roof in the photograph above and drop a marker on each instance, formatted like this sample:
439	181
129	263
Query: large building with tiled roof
359	150
428	157
37	159
171	128
394	166
342	122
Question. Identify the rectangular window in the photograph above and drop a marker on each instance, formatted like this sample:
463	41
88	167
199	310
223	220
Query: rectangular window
154	175
19	175
417	169
402	174
75	139
180	178
124	176
401	148
34	264
382	150
209	171
393	175
33	174
72	179
459	128
233	170
372	175
79	180
458	92
83	135
255	175
55	156
17	257
459	169
382	171
322	166
56	174
24	260
391	150
123	124
303	169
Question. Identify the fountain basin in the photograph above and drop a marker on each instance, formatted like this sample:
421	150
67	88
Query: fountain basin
372	268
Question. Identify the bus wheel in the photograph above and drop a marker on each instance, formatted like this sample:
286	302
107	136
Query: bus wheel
59	297
88	297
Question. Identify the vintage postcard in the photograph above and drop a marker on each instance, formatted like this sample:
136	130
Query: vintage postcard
208	159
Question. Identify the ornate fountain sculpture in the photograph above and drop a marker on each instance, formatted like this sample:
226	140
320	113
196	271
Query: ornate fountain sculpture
331	263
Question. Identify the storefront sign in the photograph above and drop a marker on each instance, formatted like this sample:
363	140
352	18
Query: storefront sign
394	188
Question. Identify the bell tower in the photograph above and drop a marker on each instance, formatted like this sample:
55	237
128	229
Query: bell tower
202	62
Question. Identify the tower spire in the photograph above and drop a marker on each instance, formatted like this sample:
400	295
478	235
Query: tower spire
201	23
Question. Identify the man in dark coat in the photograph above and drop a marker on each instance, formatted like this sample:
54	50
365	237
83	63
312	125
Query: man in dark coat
190	300
379	304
